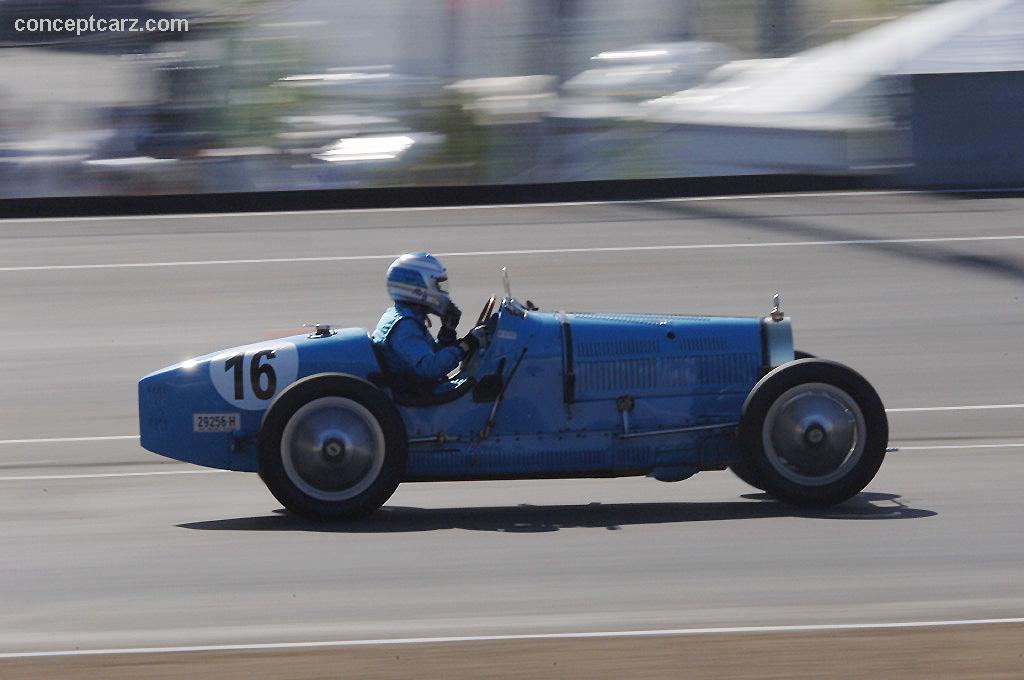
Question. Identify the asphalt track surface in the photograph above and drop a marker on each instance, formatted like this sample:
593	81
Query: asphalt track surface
107	546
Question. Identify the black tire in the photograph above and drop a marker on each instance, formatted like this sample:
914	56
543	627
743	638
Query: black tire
742	468
854	440
746	472
367	417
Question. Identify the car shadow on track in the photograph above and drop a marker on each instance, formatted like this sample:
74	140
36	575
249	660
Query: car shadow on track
545	518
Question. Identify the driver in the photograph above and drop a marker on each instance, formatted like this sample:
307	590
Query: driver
418	284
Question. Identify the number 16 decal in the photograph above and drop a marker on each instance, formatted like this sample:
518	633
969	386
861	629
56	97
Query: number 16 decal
256	373
248	377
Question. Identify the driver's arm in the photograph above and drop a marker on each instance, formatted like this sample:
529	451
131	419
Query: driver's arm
422	355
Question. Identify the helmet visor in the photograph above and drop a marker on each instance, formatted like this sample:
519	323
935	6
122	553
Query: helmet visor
442	284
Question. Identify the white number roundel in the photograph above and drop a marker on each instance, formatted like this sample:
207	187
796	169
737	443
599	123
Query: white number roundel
250	377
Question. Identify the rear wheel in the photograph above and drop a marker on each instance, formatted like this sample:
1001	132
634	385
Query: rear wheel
332	447
813	433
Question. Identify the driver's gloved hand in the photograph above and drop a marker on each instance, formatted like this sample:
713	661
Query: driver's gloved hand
451	317
474	340
447	336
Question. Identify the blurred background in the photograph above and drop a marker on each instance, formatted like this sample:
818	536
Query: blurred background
261	95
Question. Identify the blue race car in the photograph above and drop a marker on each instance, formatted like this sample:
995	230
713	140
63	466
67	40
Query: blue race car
554	394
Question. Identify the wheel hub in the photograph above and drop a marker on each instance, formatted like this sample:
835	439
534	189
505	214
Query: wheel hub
814	434
332	448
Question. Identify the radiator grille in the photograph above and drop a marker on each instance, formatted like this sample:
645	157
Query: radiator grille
708	344
618	347
714	369
612	376
665	374
642	319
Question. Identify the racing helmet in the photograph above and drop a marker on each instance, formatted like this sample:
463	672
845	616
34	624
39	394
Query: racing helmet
421	279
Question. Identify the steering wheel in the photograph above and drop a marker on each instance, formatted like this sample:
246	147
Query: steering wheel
469	362
486	311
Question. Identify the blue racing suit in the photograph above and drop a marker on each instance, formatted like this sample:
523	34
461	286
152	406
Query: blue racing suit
409	351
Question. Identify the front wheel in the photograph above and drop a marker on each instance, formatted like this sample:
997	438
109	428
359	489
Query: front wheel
813	433
743	468
332	446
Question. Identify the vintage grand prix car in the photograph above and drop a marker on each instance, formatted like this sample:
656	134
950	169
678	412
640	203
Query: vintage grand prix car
554	394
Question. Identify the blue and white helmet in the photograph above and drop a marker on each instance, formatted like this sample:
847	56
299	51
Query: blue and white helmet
421	279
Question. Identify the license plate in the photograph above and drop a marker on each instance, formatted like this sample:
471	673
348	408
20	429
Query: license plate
215	422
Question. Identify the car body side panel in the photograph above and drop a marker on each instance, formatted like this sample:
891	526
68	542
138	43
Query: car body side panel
680	372
677	372
531	405
170	399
